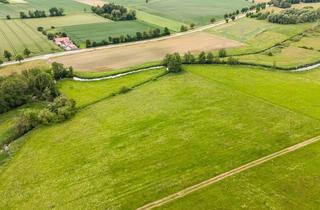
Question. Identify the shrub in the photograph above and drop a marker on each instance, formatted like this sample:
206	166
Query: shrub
114	12
124	90
232	61
40	28
60	72
25	122
222	53
173	62
202	57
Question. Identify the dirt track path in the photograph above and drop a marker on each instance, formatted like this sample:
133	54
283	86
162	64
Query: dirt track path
225	175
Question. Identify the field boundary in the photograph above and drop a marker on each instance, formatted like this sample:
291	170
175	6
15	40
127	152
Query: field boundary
227	174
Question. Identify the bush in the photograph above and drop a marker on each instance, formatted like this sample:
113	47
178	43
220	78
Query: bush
232	61
173	62
59	110
13	92
35	84
60	72
25	122
114	12
124	90
63	108
40	28
222	53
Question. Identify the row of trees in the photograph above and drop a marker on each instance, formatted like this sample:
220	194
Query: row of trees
54	11
294	16
174	61
288	3
33	84
9	56
257	7
289	16
154	33
114	12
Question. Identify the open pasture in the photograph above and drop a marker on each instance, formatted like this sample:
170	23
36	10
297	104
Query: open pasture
82	91
105	156
102	31
297	51
126	56
258	35
288	57
289	182
67	20
188	11
18	68
16	35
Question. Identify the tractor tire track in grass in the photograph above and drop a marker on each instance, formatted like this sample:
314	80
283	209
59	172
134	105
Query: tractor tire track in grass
227	174
14	32
31	38
9	41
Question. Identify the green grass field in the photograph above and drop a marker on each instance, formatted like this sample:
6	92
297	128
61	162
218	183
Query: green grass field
82	91
101	31
68	20
159	21
188	11
258	35
300	50
288	57
70	7
16	35
128	150
289	182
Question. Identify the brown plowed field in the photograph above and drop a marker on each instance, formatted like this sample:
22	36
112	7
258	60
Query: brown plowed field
132	55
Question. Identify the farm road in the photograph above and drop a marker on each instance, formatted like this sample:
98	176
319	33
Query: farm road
225	175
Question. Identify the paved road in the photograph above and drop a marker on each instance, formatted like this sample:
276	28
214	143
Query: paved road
225	175
53	55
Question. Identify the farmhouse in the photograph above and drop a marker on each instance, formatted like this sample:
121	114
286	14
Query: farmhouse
65	43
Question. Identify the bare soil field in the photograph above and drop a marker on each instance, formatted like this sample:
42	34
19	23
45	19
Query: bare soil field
121	57
92	2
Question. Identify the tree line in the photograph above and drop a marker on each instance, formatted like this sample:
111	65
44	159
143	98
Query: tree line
114	12
288	3
54	11
9	56
153	33
257	8
174	61
289	16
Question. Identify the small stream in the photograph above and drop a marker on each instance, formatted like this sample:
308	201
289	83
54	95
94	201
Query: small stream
308	68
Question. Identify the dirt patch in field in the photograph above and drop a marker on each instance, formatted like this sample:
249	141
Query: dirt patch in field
126	56
92	2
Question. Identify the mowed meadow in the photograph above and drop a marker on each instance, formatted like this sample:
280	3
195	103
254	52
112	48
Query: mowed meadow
163	136
19	34
188	11
102	31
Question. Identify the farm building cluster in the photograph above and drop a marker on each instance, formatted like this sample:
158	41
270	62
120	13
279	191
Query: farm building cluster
65	43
